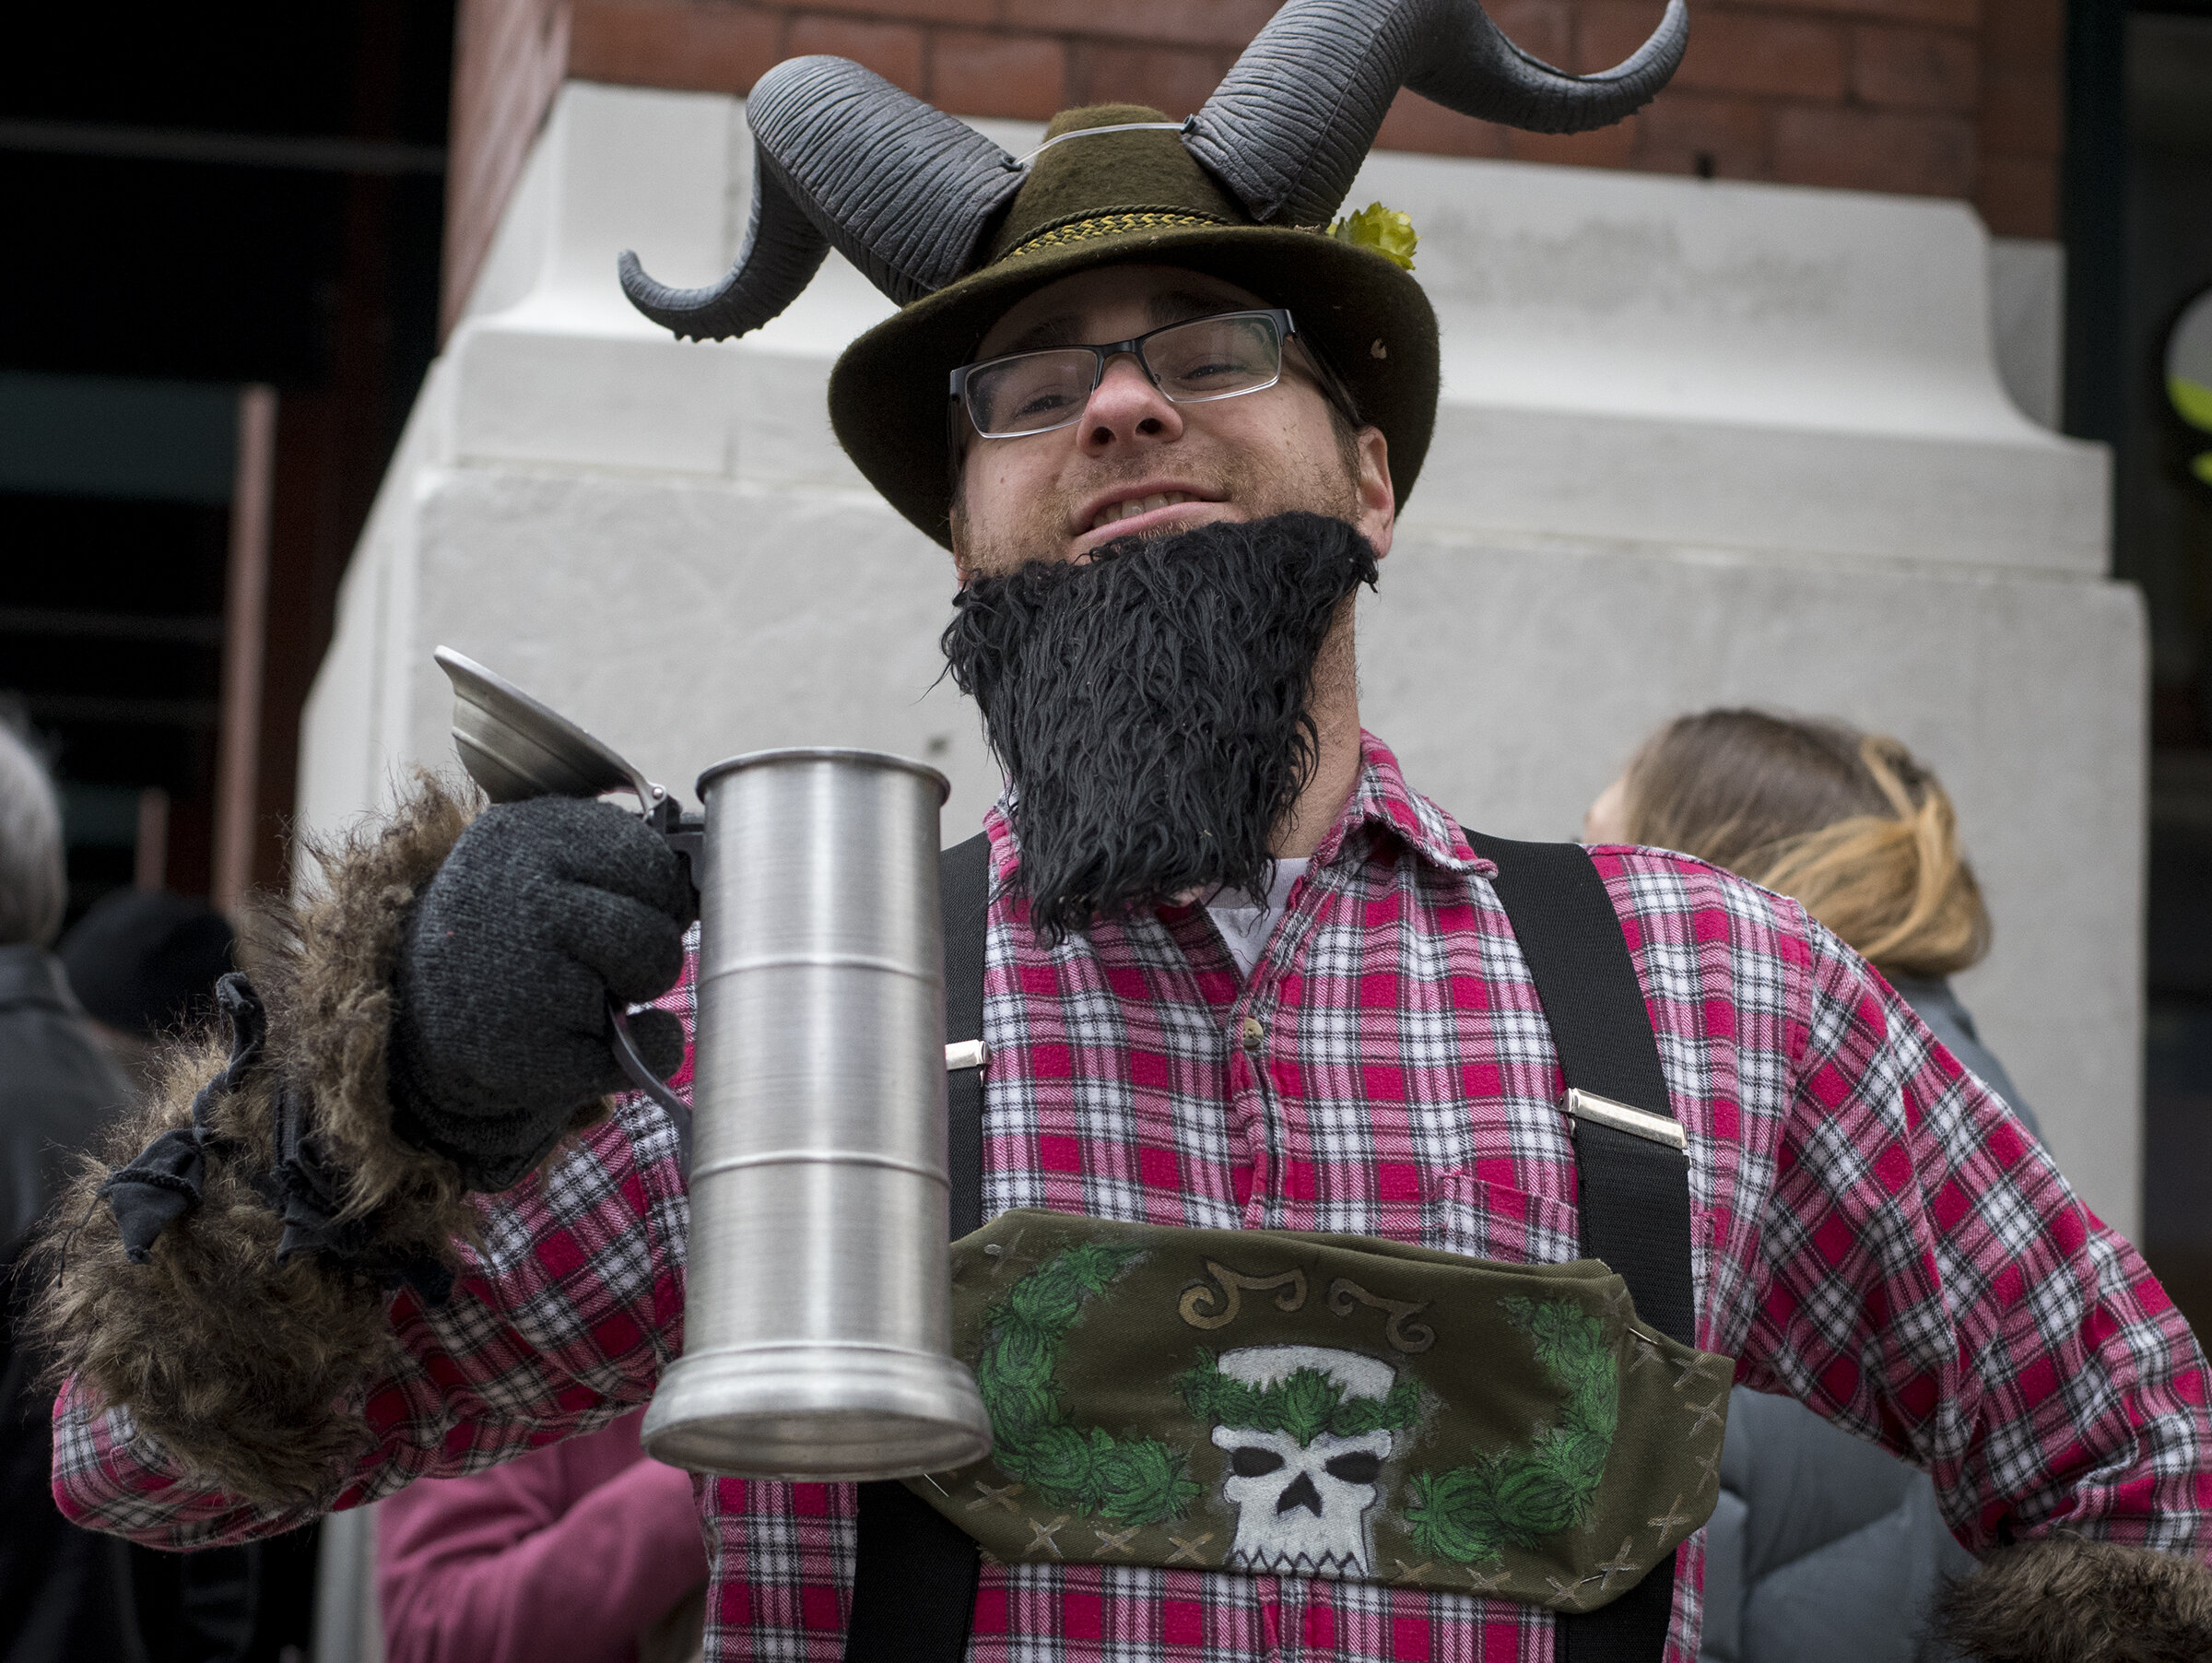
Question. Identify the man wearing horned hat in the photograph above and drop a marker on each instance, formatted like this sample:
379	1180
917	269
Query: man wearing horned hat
1162	405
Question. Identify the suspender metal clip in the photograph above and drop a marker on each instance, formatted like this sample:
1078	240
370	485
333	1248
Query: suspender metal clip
1637	1122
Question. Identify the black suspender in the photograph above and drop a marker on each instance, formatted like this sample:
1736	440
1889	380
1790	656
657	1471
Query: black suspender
964	877
913	1589
913	1594
1634	1199
1635	1192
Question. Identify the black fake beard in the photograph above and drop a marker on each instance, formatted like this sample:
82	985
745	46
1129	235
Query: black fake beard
1150	706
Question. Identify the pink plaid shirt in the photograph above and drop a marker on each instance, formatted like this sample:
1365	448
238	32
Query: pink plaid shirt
1874	1234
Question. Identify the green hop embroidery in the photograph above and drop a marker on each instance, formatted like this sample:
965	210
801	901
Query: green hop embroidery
1469	1513
1128	1481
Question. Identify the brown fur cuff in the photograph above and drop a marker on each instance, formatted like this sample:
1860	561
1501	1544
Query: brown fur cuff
245	1370
2068	1601
323	966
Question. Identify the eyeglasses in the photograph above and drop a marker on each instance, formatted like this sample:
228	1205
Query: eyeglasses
1206	359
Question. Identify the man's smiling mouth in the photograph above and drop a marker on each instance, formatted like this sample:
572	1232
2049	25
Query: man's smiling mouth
1142	502
1136	505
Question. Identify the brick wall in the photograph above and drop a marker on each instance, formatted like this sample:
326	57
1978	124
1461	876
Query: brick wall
1940	98
509	57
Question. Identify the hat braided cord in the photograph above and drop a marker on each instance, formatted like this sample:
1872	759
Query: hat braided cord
1084	227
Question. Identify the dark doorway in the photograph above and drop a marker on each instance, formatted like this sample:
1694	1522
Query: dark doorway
204	198
2140	249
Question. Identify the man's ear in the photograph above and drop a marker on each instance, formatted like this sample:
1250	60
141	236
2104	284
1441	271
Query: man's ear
1377	500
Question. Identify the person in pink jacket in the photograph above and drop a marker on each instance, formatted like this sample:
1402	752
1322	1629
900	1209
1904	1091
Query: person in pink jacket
583	1551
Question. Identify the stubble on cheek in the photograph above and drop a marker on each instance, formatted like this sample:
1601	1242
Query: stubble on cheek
998	520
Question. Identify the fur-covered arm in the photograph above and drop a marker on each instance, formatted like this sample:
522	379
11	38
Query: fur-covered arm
2071	1601
270	1385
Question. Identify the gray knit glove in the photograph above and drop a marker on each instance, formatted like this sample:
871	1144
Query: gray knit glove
542	910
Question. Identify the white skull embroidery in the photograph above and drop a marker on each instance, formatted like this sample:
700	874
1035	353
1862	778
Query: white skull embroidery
1303	1508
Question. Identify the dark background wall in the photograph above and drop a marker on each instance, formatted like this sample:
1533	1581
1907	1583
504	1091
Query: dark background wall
202	197
2145	218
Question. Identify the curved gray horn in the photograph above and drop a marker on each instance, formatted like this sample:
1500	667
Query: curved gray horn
783	251
1290	126
843	159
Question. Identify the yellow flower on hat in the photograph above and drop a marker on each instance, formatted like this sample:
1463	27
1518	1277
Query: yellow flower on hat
1384	230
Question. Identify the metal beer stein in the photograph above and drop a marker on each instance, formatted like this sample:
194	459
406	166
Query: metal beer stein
817	1311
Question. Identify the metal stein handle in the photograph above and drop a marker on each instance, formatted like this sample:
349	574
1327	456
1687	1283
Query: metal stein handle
682	832
645	1079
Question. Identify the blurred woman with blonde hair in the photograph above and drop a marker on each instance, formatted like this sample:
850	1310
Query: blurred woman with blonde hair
1821	1549
1850	824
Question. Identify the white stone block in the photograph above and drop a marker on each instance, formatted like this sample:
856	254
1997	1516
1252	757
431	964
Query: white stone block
1787	492
534	396
1638	357
2028	309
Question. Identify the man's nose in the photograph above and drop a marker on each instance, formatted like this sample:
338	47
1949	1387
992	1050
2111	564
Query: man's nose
1125	406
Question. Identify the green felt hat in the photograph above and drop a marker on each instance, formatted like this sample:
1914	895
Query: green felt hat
956	230
1107	198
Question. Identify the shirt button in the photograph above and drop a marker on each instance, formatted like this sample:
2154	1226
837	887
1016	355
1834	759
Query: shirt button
1251	1032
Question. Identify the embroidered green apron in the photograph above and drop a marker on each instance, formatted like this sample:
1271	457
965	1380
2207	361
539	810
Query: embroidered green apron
1325	1405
